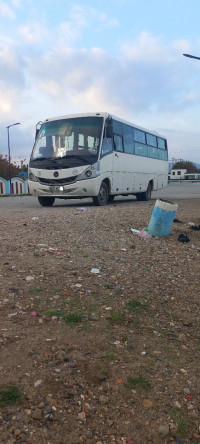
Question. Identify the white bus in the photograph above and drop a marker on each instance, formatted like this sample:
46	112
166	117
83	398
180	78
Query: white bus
96	155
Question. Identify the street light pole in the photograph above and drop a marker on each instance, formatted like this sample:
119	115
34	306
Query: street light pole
9	158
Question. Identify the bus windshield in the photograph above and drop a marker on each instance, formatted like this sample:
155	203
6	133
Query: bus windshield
73	141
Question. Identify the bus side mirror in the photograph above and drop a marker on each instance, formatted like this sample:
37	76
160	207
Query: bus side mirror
38	126
36	133
109	128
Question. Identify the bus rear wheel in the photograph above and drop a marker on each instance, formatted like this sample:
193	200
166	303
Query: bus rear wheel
146	195
102	198
46	201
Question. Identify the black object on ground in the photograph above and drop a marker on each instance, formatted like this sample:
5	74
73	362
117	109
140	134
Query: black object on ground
177	221
195	227
183	238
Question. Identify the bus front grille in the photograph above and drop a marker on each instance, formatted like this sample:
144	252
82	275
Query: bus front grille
58	182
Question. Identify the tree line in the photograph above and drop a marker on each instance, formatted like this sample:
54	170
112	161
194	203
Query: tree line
186	165
15	170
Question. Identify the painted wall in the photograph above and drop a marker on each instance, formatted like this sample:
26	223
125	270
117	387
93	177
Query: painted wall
19	186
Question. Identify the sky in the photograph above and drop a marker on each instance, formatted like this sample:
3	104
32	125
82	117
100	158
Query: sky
124	57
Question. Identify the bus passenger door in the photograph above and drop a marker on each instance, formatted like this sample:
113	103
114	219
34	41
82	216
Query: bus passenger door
106	164
118	183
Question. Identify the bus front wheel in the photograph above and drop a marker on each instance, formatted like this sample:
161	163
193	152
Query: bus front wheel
102	198
146	195
46	201
111	198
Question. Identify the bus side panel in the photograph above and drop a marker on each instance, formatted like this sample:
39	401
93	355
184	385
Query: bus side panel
131	174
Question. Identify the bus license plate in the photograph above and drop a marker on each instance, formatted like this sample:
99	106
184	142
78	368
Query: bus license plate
56	189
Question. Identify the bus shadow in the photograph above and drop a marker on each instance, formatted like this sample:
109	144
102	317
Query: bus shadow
89	203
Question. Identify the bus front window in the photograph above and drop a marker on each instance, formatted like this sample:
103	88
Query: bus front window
69	137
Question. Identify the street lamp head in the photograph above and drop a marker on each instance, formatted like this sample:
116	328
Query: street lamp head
191	56
13	124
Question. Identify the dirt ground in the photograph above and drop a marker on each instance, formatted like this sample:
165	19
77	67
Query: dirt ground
99	358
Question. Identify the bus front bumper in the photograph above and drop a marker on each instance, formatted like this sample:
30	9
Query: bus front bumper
80	189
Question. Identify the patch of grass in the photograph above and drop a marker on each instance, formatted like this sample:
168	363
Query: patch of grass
37	301
95	293
124	338
86	327
137	383
104	371
116	318
58	312
135	306
135	359
181	421
10	395
35	291
15	195
92	308
73	319
149	367
110	356
108	285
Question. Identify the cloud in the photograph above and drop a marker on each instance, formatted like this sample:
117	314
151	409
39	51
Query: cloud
6	102
146	47
78	15
12	66
68	34
144	82
181	45
33	33
16	3
6	11
108	22
81	19
144	77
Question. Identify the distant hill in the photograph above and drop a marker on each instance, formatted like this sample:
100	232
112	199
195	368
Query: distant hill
197	165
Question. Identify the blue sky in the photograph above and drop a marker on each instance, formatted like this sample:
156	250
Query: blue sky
120	56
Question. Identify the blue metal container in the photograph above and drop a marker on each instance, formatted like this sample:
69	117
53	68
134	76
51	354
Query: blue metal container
162	218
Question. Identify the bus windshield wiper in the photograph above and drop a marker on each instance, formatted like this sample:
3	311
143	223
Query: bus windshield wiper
39	158
71	156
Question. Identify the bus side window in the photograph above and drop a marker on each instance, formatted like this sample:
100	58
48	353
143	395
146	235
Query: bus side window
107	146
128	139
118	143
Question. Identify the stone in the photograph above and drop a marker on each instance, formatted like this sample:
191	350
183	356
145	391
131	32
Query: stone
37	414
147	404
103	399
82	416
186	390
163	430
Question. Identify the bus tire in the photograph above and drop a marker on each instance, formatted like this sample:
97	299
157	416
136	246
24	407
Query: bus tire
146	195
103	196
111	198
46	201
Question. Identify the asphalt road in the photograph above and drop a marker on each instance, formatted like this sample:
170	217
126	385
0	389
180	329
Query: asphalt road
174	191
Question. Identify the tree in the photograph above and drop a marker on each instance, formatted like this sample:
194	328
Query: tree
4	168
185	165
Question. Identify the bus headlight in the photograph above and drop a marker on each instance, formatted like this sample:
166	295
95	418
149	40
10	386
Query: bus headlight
32	177
88	173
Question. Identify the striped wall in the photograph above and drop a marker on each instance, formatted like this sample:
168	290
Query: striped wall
19	186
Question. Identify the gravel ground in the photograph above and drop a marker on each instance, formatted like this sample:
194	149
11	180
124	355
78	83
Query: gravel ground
108	357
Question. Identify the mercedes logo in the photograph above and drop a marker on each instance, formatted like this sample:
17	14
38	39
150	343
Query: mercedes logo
56	174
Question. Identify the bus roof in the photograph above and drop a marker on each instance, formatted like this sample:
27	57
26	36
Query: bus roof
104	115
